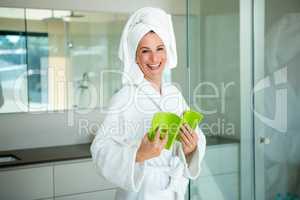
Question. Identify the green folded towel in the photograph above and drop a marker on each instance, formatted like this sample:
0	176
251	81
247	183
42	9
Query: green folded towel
170	123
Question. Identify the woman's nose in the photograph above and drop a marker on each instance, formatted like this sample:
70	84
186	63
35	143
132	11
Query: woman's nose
154	57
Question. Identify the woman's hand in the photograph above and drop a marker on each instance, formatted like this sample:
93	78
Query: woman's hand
188	139
150	149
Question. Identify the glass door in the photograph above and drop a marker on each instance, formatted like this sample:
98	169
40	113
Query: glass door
92	45
215	89
276	99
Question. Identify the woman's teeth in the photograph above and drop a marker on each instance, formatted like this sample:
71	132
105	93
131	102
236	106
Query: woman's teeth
153	67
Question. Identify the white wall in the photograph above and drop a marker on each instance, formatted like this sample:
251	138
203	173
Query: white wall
28	130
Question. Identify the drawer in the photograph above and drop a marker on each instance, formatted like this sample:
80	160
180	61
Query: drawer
105	195
77	178
216	187
31	183
220	159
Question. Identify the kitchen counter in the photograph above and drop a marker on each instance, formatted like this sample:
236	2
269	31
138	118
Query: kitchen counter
46	154
69	152
220	140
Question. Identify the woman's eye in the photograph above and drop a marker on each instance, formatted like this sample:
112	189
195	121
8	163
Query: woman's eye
145	51
160	49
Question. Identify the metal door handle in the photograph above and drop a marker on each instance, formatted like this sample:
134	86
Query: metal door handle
264	140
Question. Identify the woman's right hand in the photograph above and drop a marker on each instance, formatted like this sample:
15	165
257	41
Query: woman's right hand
150	149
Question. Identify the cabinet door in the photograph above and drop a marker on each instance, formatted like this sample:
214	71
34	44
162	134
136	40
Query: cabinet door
220	159
216	187
106	194
77	178
31	183
219	175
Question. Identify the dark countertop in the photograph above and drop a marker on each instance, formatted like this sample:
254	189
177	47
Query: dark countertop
69	152
210	141
46	154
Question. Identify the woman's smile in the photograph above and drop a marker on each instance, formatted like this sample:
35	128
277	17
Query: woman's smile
151	56
154	66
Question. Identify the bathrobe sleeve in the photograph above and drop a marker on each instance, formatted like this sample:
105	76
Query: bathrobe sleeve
193	166
112	152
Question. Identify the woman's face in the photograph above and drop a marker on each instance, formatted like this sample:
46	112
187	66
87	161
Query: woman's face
151	56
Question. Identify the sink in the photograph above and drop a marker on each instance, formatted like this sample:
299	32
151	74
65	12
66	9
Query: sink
8	158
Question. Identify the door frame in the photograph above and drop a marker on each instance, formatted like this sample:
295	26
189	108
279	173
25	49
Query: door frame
247	162
259	73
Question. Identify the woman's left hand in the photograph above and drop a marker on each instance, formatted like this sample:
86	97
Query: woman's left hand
188	138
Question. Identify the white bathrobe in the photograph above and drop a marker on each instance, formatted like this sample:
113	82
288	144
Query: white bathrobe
117	141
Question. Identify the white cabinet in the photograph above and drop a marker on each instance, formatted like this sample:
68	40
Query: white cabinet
221	187
74	180
105	195
25	184
220	159
219	177
77	178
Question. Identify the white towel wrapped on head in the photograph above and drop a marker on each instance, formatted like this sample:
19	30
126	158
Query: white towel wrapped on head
139	24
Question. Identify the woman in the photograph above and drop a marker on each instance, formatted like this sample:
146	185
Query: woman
122	152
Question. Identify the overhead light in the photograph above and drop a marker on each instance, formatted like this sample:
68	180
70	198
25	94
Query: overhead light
12	13
62	13
73	15
38	14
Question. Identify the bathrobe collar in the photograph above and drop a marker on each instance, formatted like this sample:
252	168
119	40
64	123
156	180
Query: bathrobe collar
146	88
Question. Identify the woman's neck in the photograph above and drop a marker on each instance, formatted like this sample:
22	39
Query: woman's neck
156	83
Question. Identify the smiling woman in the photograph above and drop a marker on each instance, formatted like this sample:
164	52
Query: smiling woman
121	150
151	58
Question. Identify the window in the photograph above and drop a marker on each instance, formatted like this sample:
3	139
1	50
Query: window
17	51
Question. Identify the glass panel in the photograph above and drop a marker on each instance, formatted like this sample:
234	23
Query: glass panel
277	97
47	80
73	57
38	78
13	68
214	62
92	49
180	74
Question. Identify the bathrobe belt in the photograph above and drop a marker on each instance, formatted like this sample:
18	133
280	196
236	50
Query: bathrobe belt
174	170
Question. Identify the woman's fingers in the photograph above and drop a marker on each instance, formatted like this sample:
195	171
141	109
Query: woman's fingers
188	128
187	133
188	136
157	141
195	137
164	140
184	139
157	135
151	148
193	134
183	129
145	139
